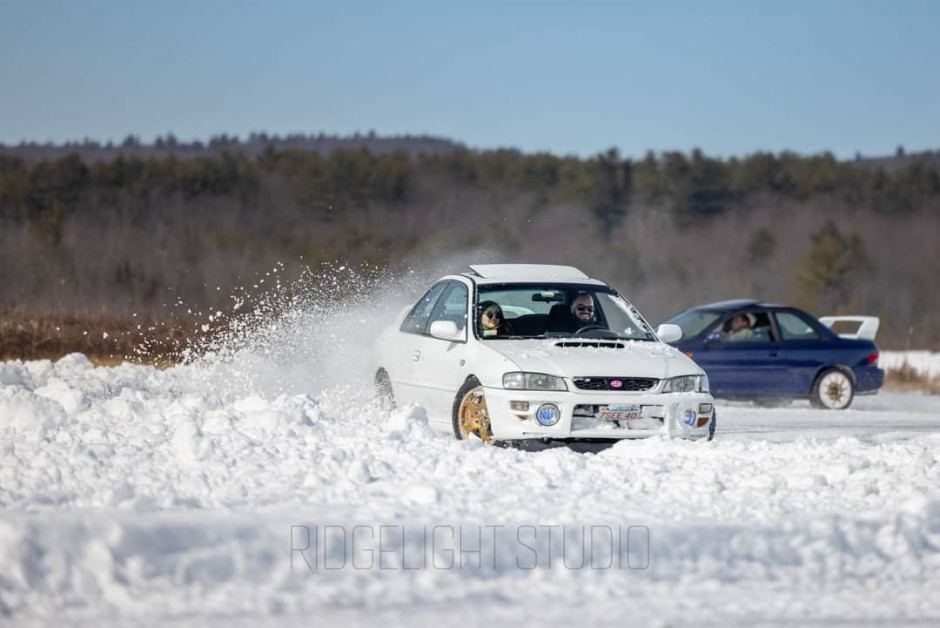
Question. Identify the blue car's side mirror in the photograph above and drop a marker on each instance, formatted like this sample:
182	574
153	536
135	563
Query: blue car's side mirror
712	337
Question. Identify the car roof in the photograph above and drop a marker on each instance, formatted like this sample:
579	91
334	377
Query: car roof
733	304
508	273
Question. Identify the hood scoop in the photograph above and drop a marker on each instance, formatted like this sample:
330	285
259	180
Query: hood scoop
594	344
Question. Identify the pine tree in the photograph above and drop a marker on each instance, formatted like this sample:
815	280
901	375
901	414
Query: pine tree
761	246
826	276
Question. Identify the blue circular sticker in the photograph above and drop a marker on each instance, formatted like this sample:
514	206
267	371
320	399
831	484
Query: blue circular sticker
548	414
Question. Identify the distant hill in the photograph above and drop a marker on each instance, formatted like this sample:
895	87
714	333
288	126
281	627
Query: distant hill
902	159
92	151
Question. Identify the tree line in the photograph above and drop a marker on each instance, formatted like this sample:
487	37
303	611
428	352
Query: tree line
137	233
690	186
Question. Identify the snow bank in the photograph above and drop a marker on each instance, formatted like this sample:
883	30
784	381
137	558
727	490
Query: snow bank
134	494
925	362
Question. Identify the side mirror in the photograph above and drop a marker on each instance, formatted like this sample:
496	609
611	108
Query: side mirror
446	330
669	333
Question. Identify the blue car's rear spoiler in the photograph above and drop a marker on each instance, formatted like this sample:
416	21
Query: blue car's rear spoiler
867	326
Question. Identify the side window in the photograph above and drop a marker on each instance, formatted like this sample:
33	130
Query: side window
744	327
453	306
794	327
417	320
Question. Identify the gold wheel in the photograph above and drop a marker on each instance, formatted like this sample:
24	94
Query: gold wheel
473	417
383	391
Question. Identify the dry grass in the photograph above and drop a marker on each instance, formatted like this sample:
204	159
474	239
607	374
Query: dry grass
907	378
106	341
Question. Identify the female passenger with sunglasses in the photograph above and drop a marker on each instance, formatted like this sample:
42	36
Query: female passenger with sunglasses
492	322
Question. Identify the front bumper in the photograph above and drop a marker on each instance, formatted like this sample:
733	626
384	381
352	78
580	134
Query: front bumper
660	414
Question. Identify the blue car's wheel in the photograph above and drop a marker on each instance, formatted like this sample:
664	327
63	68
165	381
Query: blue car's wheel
833	390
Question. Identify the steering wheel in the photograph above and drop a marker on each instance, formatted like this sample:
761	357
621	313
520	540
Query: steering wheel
587	328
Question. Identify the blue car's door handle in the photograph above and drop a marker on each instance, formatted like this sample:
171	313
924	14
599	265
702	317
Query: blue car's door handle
773	354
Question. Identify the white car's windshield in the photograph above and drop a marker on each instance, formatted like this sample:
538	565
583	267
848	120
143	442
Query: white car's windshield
556	310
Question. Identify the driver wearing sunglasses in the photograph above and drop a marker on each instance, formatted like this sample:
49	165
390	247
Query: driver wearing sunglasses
582	310
492	322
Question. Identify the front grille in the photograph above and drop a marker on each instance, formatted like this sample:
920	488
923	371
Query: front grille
579	424
620	384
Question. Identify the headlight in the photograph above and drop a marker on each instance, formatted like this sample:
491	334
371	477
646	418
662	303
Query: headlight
533	381
686	383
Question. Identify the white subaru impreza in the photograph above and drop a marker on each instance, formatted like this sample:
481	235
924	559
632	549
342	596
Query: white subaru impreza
510	352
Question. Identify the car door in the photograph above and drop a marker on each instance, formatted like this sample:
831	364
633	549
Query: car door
742	366
441	366
407	351
802	350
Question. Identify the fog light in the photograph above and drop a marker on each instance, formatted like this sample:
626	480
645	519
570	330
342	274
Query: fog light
548	414
704	408
702	421
689	417
519	406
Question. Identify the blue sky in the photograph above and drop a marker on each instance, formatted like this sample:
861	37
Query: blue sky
729	77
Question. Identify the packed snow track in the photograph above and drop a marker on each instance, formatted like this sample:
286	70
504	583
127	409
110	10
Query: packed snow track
132	496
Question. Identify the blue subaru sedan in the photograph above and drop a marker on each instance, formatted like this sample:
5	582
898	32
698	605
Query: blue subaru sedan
772	353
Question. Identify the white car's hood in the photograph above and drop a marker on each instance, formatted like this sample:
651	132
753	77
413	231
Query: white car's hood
634	359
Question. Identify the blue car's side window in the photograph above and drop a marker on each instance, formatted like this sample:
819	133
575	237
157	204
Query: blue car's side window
795	327
745	327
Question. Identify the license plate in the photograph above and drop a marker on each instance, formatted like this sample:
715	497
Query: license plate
617	413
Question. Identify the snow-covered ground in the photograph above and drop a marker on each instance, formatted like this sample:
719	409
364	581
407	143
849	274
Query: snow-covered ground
261	486
925	362
133	495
